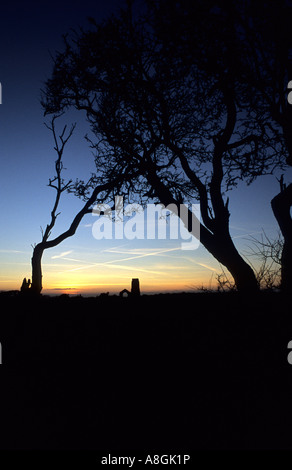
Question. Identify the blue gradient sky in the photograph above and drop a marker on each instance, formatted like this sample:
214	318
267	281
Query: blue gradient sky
28	31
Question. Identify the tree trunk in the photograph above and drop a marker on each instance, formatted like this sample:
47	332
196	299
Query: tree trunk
286	261
36	260
216	238
281	205
243	274
36	263
223	249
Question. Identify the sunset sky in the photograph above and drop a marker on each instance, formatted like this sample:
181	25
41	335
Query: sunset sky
29	32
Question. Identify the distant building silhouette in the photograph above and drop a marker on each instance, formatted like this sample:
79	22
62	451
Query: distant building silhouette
124	291
135	289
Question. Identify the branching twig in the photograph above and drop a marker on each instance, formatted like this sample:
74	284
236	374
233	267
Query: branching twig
57	181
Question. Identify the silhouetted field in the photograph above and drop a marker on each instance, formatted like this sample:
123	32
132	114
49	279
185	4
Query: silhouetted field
185	371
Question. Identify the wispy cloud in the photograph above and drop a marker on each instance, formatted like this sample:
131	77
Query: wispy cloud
122	263
61	255
12	251
143	254
199	263
116	263
207	267
113	265
247	234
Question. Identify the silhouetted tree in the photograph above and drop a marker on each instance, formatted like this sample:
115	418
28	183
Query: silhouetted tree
60	186
263	67
264	255
253	42
269	42
158	108
100	193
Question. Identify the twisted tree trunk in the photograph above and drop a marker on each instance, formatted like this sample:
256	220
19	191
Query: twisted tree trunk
36	264
36	260
58	184
281	206
214	235
221	246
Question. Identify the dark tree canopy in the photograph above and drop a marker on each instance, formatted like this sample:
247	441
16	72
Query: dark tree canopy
169	109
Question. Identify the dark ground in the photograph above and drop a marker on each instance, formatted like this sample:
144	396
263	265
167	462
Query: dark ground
176	372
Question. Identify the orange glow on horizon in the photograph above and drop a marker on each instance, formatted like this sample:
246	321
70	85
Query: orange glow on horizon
94	283
111	270
53	288
115	288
